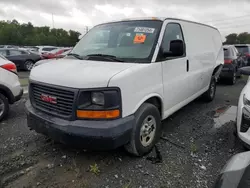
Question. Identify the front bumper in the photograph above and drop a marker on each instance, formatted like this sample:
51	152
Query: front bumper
88	134
227	71
244	125
19	96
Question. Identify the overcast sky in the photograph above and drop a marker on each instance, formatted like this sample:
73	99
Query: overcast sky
227	15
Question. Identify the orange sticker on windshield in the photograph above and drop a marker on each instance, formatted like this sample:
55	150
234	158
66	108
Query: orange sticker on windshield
139	38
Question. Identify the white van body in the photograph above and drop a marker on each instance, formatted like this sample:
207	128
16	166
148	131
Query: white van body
172	82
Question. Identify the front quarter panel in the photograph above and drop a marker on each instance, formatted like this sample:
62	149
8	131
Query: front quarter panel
138	84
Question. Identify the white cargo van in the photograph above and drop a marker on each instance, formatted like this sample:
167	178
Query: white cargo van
121	80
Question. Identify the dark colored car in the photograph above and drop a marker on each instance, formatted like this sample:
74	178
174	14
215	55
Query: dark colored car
23	59
236	173
244	49
232	62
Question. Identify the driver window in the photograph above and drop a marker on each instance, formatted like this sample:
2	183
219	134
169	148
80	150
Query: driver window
173	32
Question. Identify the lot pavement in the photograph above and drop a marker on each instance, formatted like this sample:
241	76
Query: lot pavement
196	144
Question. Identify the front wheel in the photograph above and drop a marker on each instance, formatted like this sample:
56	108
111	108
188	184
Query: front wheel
4	106
210	93
146	131
28	65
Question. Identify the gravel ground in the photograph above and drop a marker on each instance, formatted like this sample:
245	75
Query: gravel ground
191	153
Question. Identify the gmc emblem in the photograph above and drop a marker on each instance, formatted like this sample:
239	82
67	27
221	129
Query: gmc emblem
48	99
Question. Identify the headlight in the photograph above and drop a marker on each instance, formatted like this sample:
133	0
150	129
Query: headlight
97	98
99	104
246	101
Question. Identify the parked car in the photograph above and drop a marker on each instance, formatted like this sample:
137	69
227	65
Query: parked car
64	54
10	89
117	94
8	46
49	60
236	173
23	59
55	53
232	62
243	112
244	49
45	49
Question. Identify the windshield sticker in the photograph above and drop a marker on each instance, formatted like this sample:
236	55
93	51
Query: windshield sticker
144	30
139	38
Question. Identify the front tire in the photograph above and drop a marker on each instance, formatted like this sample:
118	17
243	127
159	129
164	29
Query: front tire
210	93
146	131
28	65
4	107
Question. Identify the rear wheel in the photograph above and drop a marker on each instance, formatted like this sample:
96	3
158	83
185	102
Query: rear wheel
146	131
4	106
28	65
210	93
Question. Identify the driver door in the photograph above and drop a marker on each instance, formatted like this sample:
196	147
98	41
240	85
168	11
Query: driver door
175	71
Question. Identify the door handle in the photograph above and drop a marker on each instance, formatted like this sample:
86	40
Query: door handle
187	65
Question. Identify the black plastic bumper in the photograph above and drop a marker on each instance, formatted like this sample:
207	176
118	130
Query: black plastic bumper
92	135
227	71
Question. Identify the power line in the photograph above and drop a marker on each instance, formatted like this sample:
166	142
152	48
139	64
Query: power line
227	18
234	26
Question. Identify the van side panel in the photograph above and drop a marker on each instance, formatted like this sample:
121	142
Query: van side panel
204	51
138	84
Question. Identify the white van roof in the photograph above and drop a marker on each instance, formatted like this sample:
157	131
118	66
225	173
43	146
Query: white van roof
161	19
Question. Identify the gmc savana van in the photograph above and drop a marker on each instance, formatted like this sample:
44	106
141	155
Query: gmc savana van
121	79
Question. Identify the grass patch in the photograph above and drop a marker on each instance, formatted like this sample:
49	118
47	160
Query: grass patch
24	81
193	148
94	169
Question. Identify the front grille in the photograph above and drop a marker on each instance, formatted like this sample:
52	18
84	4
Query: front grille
63	106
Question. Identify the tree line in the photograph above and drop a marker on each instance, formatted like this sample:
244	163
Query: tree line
26	34
234	38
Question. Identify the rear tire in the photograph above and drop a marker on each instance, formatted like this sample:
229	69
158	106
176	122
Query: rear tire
209	95
146	131
28	65
4	107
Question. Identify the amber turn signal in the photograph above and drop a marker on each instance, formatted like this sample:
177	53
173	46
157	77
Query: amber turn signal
88	114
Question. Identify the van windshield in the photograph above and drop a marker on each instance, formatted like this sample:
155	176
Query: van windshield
129	41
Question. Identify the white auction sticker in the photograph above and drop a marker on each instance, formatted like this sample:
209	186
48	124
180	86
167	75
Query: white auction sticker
144	30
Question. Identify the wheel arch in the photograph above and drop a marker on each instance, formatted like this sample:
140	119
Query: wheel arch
154	99
7	93
216	71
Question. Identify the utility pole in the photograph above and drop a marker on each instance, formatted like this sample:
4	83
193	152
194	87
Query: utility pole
53	24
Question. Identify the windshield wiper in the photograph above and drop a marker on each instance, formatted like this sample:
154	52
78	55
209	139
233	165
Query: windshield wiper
106	56
75	55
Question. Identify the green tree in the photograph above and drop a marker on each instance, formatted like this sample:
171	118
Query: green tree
14	33
231	39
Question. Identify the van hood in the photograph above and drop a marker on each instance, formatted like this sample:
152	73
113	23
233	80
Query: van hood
78	73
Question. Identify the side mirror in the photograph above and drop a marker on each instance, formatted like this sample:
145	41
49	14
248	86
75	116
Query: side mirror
245	70
176	49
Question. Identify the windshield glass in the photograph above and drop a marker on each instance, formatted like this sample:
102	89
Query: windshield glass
131	41
242	49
